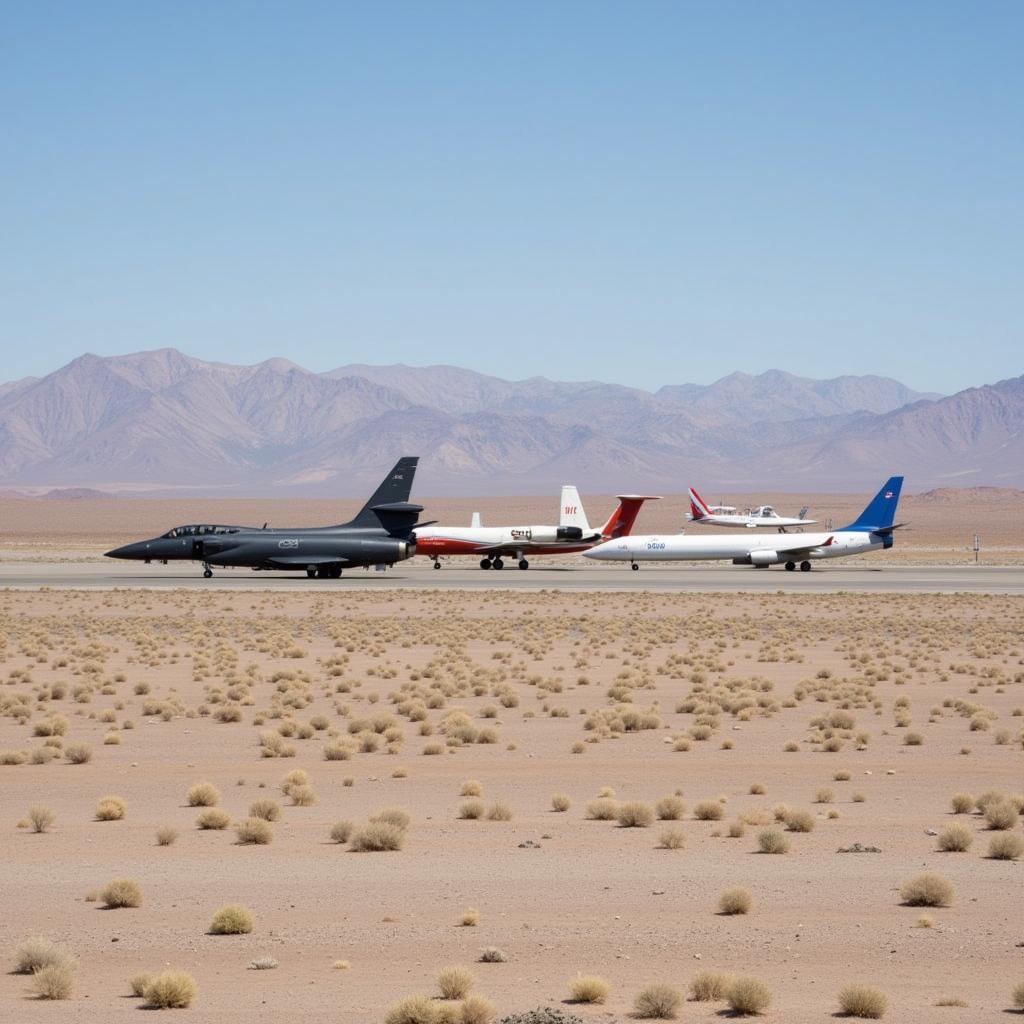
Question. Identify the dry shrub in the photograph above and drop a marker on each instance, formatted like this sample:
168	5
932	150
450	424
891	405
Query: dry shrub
471	788
41	818
38	952
670	808
254	832
121	892
414	1010
110	808
170	990
231	920
202	794
377	837
268	810
477	1010
455	982
926	890
54	981
824	795
78	753
1005	846
392	816
800	821
735	901
748	996
862	1001
672	838
472	810
771	840
166	835
709	810
470	918
1018	996
492	955
658	1002
1001	816
709	986
955	839
602	809
588	988
962	803
213	818
499	811
302	796
341	831
138	984
560	802
634	815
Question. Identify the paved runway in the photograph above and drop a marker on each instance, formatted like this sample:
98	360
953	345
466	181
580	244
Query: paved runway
860	578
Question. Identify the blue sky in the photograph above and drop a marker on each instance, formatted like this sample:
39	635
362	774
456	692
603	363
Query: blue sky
642	192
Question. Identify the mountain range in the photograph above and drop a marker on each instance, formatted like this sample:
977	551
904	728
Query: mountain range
162	422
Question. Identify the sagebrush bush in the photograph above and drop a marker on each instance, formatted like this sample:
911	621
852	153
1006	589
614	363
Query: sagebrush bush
413	1010
137	983
231	920
476	1010
455	982
38	952
634	815
377	837
170	990
771	840
471	788
800	821
55	981
670	808
492	955
926	890
472	810
955	839
602	809
588	988
1018	996
672	838
962	803
1001	816
735	901
560	802
658	1002
267	809
254	832
470	918
166	835
302	796
341	831
202	794
392	816
709	810
748	996
709	986
1005	846
78	753
863	1001
499	811
121	893
111	808
214	818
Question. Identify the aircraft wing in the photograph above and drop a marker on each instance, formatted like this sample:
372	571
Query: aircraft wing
800	550
507	547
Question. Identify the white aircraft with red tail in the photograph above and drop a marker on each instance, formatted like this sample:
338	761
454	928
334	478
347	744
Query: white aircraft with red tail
726	515
572	534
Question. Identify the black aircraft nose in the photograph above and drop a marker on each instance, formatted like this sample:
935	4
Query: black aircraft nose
137	550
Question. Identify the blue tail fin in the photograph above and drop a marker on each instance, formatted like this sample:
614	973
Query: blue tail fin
881	510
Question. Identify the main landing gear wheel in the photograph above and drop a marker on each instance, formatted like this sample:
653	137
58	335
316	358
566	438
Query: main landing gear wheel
497	564
805	566
485	563
634	567
311	572
437	565
207	571
790	566
523	563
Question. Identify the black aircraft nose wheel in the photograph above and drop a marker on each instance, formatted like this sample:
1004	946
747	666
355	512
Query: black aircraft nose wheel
485	563
805	566
311	572
790	566
207	573
437	565
498	564
634	567
523	563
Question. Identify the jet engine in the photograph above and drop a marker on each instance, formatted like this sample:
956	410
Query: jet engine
758	558
386	550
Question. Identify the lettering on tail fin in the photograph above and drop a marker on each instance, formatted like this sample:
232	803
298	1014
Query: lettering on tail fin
698	507
570	512
621	521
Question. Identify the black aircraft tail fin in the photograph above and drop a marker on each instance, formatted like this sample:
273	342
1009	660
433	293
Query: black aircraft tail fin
399	518
393	490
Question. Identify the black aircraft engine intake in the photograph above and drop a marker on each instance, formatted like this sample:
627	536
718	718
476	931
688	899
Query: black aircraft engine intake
569	533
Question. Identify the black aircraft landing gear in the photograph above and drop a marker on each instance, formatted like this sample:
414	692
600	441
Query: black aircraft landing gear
497	564
805	566
207	571
635	567
485	563
437	564
790	566
311	572
523	563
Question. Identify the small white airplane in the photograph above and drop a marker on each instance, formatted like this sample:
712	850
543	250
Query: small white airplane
573	533
726	515
871	531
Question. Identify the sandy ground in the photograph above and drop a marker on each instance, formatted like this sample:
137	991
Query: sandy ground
592	897
939	531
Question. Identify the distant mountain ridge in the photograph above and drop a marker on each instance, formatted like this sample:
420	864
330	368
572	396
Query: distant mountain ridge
162	419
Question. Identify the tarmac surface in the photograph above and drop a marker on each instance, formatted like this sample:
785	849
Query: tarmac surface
860	578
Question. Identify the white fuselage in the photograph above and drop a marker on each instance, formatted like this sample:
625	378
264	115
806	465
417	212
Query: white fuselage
759	548
751	521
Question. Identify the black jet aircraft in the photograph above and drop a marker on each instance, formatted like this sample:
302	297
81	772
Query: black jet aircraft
380	535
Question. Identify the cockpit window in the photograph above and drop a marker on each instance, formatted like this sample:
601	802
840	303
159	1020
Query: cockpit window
192	531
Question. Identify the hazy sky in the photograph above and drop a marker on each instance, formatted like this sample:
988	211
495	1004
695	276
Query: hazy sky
642	192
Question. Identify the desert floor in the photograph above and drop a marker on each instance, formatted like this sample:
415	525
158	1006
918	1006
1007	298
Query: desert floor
571	693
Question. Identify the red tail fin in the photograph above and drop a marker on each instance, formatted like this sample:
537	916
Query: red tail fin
698	506
621	521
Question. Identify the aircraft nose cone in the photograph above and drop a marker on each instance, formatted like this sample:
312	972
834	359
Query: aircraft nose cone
127	551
